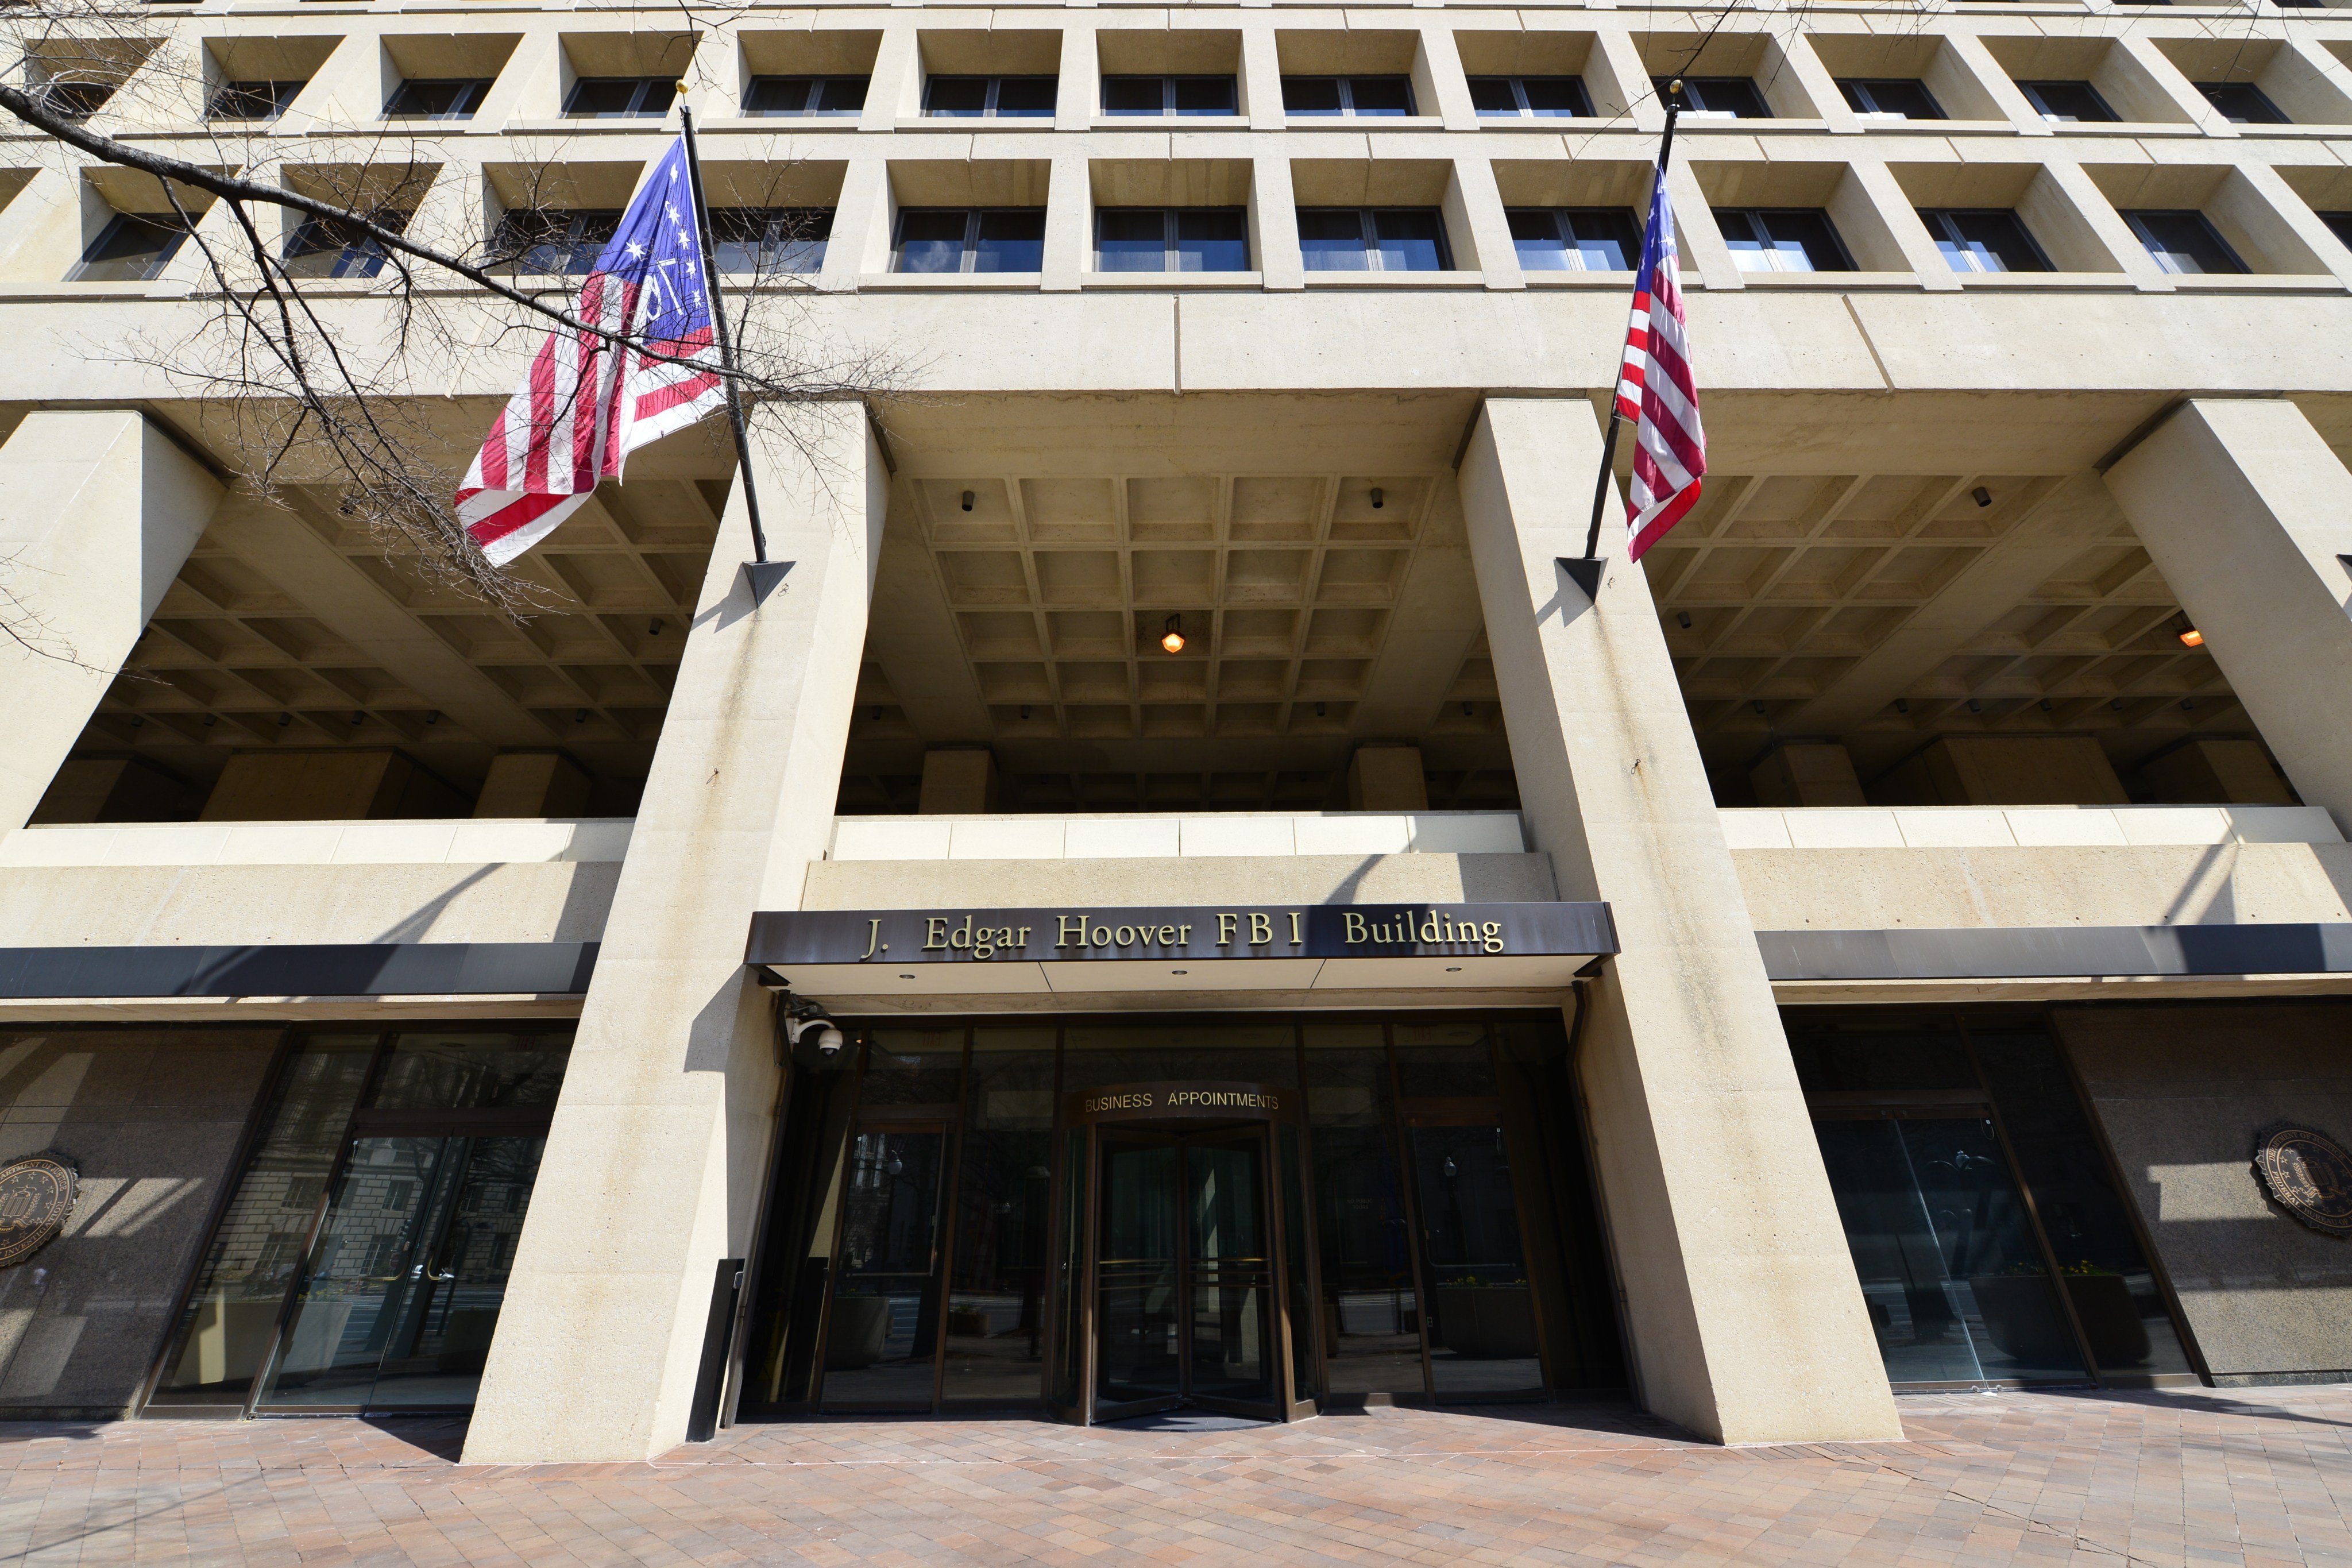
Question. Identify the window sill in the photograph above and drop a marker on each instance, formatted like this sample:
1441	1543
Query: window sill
1171	281
968	123
2256	283
1845	280
1937	127
648	126
2029	282
1615	283
1363	122
778	121
1013	282
1163	123
1555	124
1396	280
2127	128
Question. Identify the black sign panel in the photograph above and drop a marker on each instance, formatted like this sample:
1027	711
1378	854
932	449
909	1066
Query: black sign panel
1194	934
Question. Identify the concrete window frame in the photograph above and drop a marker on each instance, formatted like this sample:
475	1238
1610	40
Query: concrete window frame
2055	220
946	180
1170	52
1317	52
2270	239
650	57
975	52
1553	184
1395	184
1837	190
1785	74
1224	183
1968	101
403	58
296	61
2145	94
1609	88
830	52
2300	83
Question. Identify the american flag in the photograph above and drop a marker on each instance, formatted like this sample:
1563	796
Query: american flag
1654	389
588	403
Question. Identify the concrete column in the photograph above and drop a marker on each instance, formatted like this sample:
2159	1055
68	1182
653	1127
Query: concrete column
659	1143
2247	511
1747	1322
97	514
958	783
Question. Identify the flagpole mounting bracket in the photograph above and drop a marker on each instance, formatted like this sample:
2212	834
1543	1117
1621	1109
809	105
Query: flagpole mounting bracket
1585	571
763	577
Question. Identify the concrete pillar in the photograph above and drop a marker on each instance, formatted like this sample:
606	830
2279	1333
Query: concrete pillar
533	783
2247	513
958	783
97	514
1747	1322
1807	774
660	1140
1386	778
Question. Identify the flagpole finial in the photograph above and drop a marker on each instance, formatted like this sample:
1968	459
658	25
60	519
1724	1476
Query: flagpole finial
682	87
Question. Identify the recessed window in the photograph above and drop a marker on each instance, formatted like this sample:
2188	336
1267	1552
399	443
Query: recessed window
252	100
76	100
989	97
2341	222
1167	95
337	247
1360	95
1718	97
1530	97
2067	101
805	95
769	240
1890	98
440	98
1373	239
985	239
1782	239
1171	239
132	248
2182	241
2244	103
557	241
1575	239
620	98
1983	239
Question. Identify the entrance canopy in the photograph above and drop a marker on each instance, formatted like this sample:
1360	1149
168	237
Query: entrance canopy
853	954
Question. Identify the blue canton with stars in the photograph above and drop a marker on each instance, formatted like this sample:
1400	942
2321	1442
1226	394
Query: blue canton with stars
657	249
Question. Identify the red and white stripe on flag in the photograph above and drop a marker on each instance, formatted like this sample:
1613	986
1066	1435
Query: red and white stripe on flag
1655	391
588	402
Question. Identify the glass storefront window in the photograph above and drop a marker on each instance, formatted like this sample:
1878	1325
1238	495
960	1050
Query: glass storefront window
1988	1233
364	1258
1482	1313
1371	1311
996	1284
226	1328
913	1067
882	1333
2106	1274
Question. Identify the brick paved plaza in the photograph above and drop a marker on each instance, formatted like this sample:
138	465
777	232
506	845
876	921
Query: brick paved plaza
2200	1477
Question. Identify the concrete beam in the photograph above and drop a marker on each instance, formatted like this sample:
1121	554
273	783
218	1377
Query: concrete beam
97	514
1725	1235
2248	514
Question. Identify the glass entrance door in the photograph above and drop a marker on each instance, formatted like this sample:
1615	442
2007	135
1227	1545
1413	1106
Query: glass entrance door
1184	1289
402	1287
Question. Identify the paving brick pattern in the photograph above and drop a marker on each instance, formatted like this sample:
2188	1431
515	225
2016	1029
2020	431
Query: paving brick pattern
2194	1476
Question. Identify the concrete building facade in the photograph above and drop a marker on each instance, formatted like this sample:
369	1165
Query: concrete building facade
1173	895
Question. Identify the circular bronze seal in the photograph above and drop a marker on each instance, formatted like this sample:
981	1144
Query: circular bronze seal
2308	1174
37	1193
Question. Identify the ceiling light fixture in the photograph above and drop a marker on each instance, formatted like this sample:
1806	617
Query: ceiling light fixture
1378	501
1172	640
1982	496
2185	630
968	499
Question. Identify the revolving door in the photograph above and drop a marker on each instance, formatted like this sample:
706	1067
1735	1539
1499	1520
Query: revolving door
1173	1290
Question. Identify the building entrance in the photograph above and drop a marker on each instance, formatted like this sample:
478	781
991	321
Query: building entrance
1185	1299
1099	1218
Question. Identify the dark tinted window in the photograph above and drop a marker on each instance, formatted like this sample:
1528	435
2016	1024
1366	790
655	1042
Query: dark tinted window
334	247
1366	95
1782	239
2067	100
1575	239
1898	95
2183	242
132	248
437	99
621	97
805	95
473	1070
252	100
1976	239
554	240
1733	95
769	240
2242	102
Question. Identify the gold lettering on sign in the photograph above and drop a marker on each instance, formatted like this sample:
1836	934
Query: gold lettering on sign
1225	924
935	932
1070	930
873	940
1355	926
1261	930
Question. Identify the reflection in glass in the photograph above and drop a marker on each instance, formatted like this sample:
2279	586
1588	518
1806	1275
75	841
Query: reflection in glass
1231	1269
1444	1061
1953	1283
996	1319
1135	1273
241	1285
403	1287
1370	1314
447	1071
882	1335
2106	1274
1482	1314
912	1067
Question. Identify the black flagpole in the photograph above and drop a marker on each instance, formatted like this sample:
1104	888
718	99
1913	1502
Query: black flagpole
719	327
1608	443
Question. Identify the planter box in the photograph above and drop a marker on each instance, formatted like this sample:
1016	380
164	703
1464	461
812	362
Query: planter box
1484	1321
